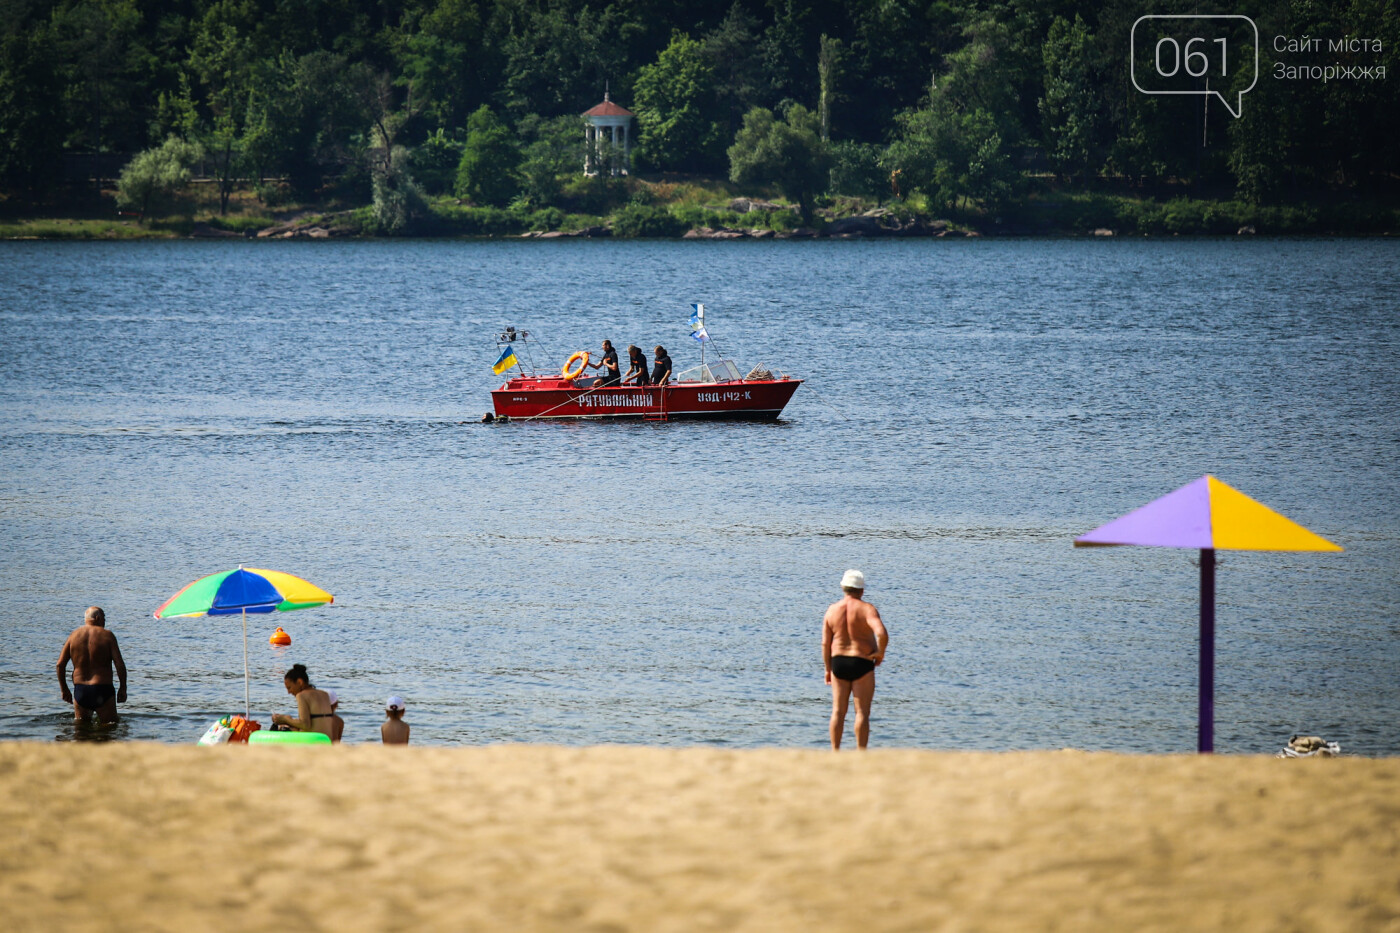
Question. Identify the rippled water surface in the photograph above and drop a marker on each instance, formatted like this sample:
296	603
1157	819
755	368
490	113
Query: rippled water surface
172	409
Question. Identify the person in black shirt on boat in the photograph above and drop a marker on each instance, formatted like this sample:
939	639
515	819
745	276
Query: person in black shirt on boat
611	374
637	375
661	375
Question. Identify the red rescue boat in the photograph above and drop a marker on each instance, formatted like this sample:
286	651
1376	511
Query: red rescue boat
713	390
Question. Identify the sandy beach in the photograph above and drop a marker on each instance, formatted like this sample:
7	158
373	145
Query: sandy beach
153	837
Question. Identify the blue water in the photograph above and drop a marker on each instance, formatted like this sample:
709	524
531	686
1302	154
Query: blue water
176	408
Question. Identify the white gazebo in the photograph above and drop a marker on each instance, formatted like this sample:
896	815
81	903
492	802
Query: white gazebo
612	125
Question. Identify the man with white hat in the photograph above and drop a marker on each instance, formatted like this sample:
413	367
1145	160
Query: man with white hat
853	644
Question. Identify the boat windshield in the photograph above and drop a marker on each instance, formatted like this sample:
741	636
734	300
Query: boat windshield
714	371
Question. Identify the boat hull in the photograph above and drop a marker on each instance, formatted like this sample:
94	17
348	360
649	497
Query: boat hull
762	400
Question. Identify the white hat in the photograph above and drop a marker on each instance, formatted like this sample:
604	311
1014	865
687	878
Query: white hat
853	580
333	697
394	703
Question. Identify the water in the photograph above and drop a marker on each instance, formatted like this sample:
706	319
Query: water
172	409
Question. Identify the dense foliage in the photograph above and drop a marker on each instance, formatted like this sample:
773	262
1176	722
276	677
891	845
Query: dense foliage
954	100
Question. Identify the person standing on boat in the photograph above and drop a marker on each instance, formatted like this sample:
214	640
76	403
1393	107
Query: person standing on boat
612	375
637	374
853	645
661	374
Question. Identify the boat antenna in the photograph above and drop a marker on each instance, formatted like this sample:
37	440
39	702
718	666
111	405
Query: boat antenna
511	335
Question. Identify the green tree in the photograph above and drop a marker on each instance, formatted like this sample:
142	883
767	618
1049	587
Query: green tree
434	162
490	159
858	169
553	153
398	205
31	124
307	119
947	155
828	67
676	109
788	153
100	52
733	50
440	55
786	71
988	74
222	59
561	54
1070	109
156	174
991	177
924	154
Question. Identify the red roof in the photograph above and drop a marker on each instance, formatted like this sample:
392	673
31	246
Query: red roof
608	109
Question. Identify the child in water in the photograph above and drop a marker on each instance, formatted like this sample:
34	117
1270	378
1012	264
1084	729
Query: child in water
395	730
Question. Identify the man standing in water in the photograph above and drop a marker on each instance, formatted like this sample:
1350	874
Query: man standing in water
93	651
853	643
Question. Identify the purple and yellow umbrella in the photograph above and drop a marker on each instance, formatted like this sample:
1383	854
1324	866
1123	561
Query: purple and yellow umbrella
1210	516
239	592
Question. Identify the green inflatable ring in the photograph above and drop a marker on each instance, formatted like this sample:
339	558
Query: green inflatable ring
288	738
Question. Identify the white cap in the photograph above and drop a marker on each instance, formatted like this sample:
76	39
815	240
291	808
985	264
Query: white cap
333	697
394	703
853	580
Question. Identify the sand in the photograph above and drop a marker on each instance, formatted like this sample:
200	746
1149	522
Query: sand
152	837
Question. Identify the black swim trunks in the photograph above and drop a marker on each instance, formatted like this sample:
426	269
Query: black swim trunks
845	667
93	696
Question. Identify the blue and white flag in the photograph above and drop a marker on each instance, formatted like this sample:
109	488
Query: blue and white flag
697	323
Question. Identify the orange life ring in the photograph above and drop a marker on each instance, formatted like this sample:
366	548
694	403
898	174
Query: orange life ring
582	357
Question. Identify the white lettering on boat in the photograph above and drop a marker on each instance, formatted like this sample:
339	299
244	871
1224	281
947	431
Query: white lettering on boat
722	396
618	400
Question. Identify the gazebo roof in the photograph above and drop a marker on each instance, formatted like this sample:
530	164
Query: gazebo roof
608	109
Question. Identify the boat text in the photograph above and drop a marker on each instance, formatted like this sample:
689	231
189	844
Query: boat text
616	401
723	396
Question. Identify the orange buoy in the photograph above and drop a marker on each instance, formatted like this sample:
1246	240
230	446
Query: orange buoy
279	638
572	374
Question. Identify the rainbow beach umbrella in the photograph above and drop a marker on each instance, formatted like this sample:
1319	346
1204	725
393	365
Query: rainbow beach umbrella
239	592
1208	515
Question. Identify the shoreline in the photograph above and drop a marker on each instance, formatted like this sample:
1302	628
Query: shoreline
715	236
143	835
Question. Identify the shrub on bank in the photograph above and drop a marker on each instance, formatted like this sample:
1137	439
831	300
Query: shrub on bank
695	215
640	220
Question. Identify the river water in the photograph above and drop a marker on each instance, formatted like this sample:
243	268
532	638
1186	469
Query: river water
170	409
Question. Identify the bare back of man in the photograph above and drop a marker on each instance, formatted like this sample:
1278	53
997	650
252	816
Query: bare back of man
854	640
93	652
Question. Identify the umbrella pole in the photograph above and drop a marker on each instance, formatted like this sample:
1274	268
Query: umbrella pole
1205	722
247	706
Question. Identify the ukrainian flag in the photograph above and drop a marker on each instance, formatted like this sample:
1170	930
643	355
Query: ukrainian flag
506	361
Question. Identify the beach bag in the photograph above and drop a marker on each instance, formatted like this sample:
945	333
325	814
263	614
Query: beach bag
216	734
242	728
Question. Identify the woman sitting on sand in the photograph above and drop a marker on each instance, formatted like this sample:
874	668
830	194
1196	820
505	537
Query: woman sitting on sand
314	712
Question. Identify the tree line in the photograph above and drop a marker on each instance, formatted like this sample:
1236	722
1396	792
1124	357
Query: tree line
957	101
